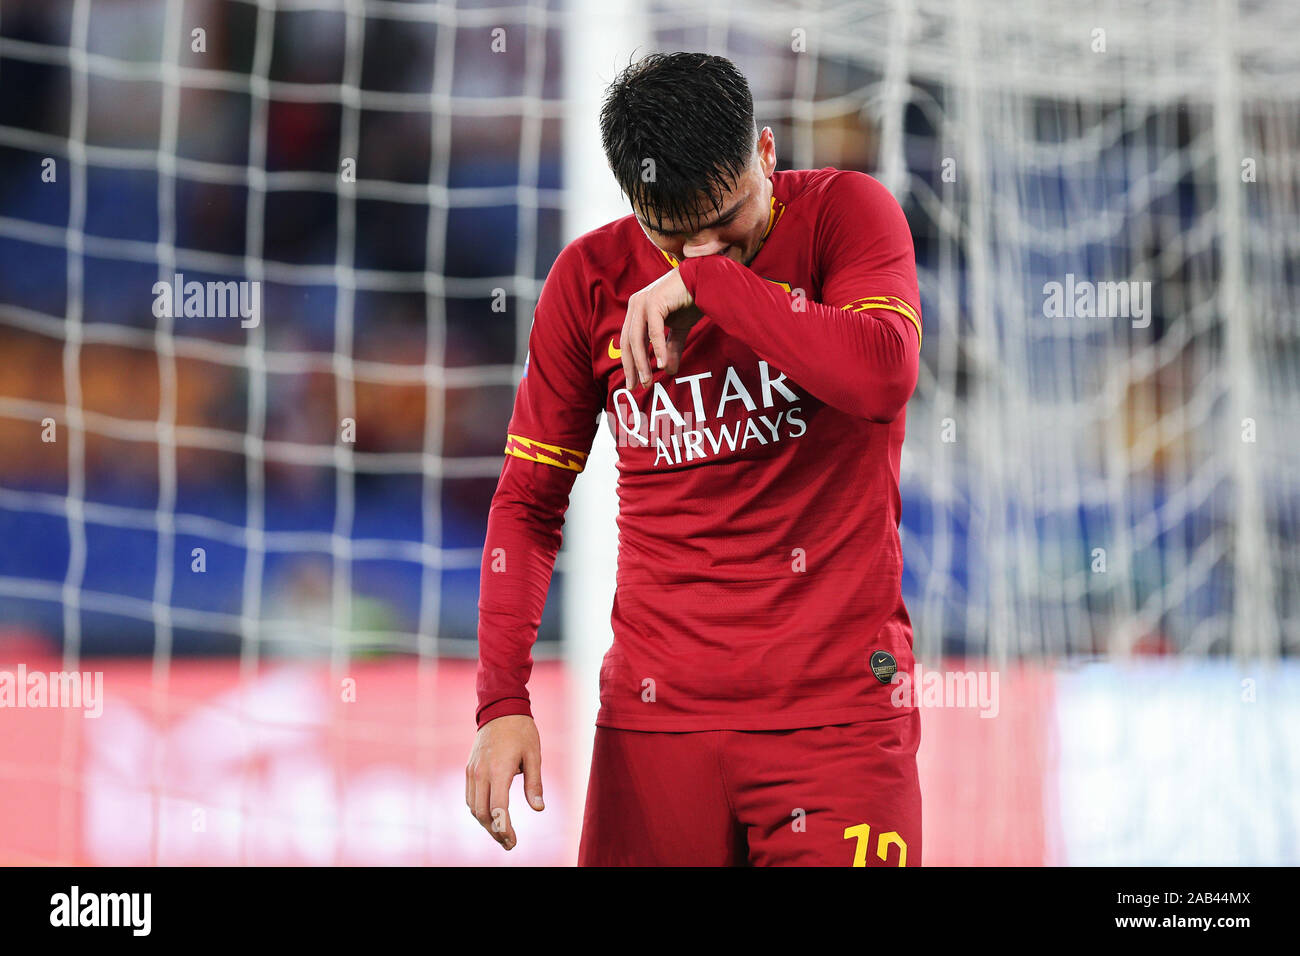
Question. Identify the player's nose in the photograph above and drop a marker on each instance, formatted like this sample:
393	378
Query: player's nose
703	245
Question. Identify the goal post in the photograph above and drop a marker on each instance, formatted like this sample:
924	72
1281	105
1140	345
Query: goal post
600	41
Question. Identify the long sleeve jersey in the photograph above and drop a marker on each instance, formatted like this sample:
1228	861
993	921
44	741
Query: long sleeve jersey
759	563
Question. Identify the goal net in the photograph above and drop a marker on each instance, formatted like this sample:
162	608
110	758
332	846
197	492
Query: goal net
1104	205
1104	201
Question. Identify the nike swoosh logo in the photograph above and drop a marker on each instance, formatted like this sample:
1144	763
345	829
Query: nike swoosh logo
614	351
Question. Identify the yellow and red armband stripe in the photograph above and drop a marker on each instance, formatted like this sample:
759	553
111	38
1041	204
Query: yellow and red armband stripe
544	454
891	302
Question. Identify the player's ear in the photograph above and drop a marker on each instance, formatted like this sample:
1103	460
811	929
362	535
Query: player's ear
767	151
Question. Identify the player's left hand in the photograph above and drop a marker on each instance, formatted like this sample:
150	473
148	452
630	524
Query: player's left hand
663	312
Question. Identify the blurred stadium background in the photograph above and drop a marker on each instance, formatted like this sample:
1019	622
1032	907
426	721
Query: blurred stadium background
1100	511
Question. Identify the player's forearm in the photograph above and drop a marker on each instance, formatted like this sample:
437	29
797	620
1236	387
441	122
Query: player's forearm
864	363
523	537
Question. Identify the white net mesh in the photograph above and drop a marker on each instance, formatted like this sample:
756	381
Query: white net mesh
1154	145
1104	202
131	68
310	483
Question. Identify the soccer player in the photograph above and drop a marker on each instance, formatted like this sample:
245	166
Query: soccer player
753	338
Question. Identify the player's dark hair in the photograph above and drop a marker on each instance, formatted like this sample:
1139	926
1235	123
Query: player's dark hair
693	115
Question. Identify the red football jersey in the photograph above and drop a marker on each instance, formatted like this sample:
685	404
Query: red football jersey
759	569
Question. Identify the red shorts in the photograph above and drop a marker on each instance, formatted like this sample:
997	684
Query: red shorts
843	795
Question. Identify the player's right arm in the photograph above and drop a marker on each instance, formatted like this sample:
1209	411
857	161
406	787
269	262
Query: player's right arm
549	437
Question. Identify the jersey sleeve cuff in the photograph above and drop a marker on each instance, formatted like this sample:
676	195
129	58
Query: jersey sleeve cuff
703	281
504	708
689	270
